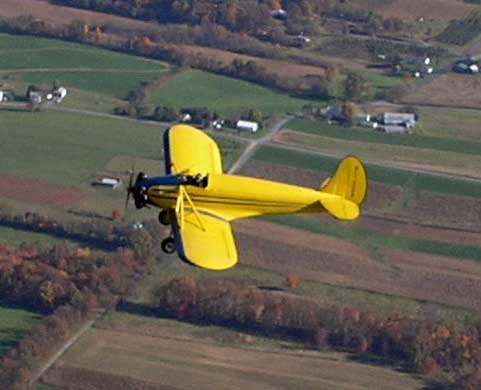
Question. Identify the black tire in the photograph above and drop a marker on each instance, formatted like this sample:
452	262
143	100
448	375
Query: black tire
164	217
168	245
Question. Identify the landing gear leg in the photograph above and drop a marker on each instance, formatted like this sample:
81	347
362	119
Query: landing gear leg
168	245
164	217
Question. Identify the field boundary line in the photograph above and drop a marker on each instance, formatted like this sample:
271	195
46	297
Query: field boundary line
71	341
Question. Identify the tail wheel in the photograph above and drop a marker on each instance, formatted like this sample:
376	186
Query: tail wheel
168	245
164	217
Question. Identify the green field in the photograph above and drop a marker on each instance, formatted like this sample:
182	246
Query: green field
369	240
370	136
14	324
111	83
454	123
20	52
73	66
225	95
15	237
70	148
378	173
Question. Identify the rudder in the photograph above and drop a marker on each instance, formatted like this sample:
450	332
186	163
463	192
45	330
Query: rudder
349	181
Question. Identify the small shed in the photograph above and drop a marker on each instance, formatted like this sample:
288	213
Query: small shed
111	182
247	126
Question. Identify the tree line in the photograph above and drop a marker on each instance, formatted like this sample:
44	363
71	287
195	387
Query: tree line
417	345
66	282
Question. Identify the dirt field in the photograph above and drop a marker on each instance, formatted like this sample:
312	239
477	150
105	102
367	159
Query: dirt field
428	9
456	90
39	192
278	67
63	15
174	362
335	261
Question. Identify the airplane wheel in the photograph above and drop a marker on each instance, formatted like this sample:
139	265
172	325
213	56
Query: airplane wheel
168	245
164	217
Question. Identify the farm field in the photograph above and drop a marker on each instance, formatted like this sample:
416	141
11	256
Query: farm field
405	157
66	151
414	9
225	95
15	237
421	230
14	324
449	90
447	201
453	123
74	66
161	352
417	140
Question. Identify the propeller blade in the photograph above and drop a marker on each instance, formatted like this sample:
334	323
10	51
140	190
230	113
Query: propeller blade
130	188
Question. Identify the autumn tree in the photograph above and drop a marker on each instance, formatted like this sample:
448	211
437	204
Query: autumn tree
357	88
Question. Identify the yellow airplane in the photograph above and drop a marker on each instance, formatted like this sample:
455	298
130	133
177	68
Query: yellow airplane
199	201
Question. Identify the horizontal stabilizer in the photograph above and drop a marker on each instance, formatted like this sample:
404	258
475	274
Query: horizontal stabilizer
341	208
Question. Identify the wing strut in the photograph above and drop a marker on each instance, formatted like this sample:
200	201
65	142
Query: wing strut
179	208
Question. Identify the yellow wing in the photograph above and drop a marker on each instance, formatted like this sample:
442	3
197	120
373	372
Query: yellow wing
191	151
206	241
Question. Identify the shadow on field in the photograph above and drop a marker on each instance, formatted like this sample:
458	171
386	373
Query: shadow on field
9	337
140	309
372	360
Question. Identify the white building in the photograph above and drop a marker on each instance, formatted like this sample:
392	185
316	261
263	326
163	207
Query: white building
59	94
247	126
111	182
399	119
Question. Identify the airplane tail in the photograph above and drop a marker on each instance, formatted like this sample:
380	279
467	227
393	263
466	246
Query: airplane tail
350	184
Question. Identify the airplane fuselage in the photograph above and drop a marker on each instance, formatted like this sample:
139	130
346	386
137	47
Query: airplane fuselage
237	196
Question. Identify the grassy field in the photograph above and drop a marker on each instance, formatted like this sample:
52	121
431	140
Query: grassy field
15	237
377	173
461	124
370	136
13	325
70	148
73	65
225	95
115	84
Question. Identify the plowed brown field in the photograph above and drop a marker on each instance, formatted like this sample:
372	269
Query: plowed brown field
455	90
427	9
38	191
174	362
330	260
287	69
336	261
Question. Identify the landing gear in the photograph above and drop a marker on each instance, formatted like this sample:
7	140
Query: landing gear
164	217
168	245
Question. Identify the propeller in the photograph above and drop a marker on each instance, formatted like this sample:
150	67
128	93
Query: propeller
130	188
